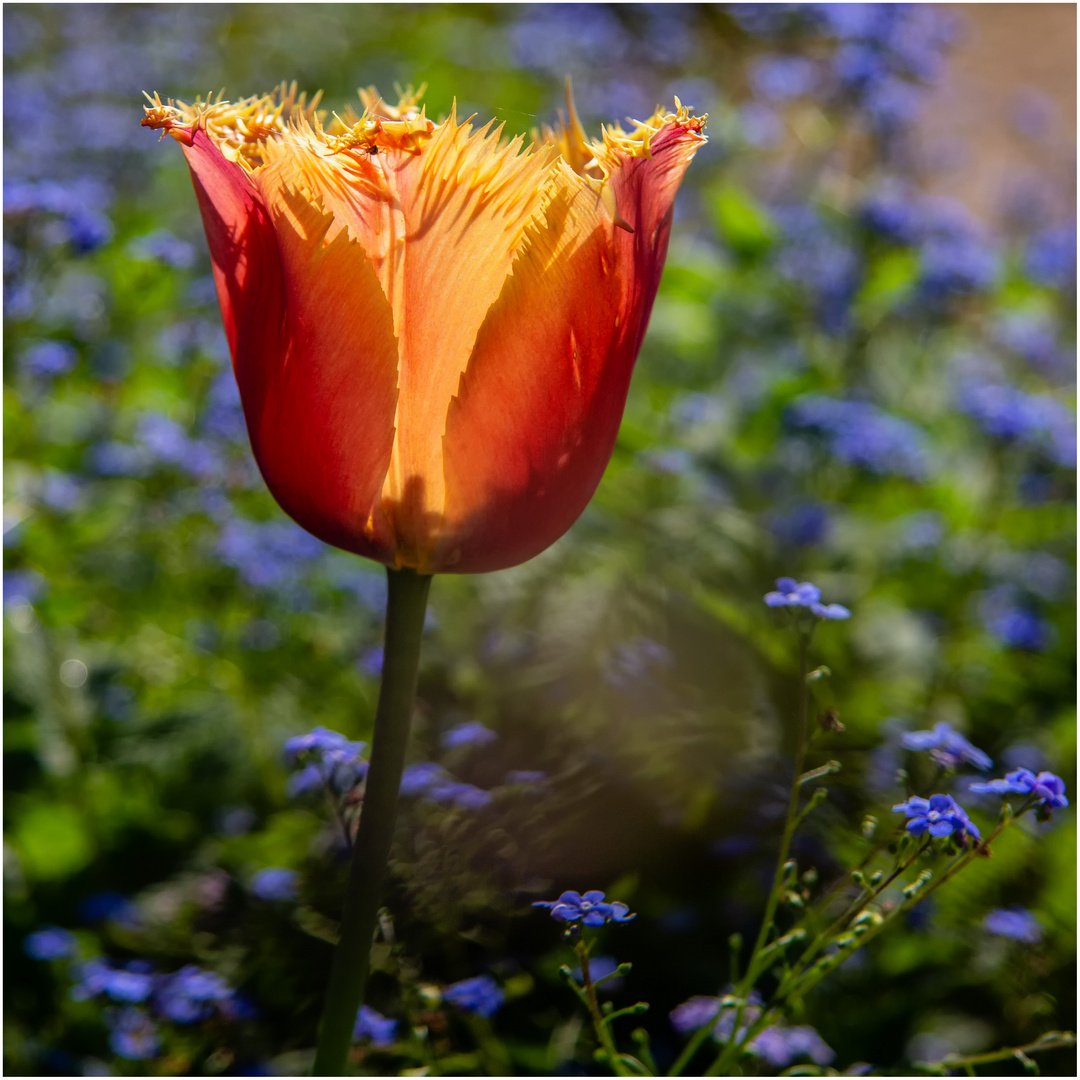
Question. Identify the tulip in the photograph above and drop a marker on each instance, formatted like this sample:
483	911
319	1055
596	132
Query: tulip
433	329
433	332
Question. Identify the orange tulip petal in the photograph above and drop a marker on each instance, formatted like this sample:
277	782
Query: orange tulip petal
537	413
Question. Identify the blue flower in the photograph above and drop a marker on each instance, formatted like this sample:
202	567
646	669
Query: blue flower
780	77
780	1046
590	910
1046	789
51	943
418	778
790	593
862	434
1051	257
1016	922
330	759
480	995
374	1026
463	796
49	358
134	1035
694	1014
190	994
132	983
830	611
275	883
802	526
471	733
947	747
1013	623
940	815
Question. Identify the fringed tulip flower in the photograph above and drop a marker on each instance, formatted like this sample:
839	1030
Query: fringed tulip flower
433	329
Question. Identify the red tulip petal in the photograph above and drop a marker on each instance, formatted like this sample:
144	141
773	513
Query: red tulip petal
313	349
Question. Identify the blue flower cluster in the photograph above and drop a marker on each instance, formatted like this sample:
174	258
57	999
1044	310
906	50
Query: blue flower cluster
859	433
432	781
1016	922
792	594
328	759
940	816
700	1010
780	1046
480	995
1044	789
381	1030
267	553
187	996
1034	420
590	909
947	747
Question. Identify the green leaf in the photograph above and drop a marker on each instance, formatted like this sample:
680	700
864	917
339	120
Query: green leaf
741	221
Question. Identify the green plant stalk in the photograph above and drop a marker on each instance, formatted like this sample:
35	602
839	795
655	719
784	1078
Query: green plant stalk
406	604
771	905
1052	1040
603	1033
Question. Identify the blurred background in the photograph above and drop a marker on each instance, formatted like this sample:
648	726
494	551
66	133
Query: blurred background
859	371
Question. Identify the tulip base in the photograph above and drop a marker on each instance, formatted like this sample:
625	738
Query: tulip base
406	605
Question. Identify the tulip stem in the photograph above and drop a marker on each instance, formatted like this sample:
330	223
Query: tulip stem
406	604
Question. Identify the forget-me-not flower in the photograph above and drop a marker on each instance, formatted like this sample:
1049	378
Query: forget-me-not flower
480	995
790	593
1046	788
275	883
940	815
590	910
947	747
191	994
780	1046
374	1026
51	943
1016	922
134	1035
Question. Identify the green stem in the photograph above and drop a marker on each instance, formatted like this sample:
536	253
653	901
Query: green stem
752	967
406	603
1052	1040
603	1033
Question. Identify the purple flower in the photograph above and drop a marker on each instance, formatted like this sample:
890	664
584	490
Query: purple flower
947	747
1016	922
134	1035
940	815
790	593
480	995
275	883
780	1046
374	1026
51	943
471	733
1046	788
590	910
